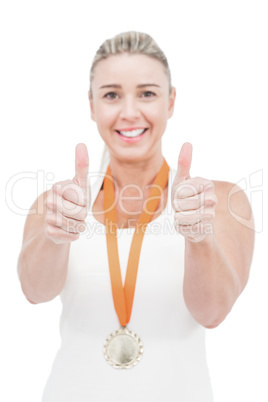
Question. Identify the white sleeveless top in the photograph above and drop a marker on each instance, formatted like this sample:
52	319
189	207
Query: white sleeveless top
173	366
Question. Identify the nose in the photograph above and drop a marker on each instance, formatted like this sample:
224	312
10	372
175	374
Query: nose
129	109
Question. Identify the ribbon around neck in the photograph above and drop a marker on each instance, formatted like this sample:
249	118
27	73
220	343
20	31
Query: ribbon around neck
123	296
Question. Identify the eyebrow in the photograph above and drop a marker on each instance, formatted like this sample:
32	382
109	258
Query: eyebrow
138	86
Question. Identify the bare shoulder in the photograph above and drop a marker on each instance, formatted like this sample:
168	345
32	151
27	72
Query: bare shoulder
234	226
36	217
233	202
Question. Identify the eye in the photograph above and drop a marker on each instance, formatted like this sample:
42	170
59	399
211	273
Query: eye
148	94
111	95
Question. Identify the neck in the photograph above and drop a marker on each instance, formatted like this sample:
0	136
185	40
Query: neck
137	173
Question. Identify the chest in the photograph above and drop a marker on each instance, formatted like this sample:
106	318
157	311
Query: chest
128	208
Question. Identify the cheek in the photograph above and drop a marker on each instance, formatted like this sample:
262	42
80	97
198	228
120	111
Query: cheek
105	116
158	115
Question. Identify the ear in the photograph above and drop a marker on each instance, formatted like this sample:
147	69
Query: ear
91	107
172	98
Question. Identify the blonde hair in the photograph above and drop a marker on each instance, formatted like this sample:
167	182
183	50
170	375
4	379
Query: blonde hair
130	42
127	42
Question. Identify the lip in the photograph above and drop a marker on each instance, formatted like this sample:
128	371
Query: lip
129	139
130	128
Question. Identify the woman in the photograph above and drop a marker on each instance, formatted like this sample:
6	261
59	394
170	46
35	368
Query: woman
187	264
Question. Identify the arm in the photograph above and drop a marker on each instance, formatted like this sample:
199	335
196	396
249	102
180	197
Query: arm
43	261
217	267
218	247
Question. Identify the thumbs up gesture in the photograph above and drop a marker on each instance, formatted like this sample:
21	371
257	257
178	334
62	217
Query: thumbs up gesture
68	202
193	200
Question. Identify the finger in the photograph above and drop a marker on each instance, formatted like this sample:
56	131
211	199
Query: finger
197	231
192	203
189	203
72	211
68	190
69	209
191	187
73	226
73	193
66	224
184	162
81	166
186	218
59	236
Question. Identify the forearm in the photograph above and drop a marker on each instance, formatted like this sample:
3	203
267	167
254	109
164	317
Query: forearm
211	284
42	268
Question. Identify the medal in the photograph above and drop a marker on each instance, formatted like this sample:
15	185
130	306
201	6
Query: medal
123	348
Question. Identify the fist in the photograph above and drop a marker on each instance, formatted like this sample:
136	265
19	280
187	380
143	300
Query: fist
193	200
68	202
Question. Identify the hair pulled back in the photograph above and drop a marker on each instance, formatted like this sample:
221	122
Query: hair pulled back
131	42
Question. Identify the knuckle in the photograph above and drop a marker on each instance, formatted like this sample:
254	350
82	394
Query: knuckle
49	202
181	220
78	213
81	227
83	213
177	217
209	216
73	236
70	226
177	226
178	204
52	201
50	231
211	199
56	187
48	219
210	185
74	226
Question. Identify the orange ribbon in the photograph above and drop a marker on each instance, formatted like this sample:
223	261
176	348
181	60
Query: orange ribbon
123	296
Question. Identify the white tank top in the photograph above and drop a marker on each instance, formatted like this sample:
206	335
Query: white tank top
173	366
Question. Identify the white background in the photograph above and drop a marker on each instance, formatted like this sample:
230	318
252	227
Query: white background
217	51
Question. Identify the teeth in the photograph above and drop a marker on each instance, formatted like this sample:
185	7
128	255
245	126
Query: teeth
133	133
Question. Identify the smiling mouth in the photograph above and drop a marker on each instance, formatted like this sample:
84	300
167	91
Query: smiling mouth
132	133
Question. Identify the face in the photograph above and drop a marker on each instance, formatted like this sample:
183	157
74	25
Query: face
131	104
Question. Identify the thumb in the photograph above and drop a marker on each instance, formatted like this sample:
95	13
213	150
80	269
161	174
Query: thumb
81	166
184	162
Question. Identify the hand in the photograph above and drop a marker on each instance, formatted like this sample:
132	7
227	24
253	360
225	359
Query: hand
68	202
193	200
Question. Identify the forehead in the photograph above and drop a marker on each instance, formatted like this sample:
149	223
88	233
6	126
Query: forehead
131	68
